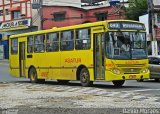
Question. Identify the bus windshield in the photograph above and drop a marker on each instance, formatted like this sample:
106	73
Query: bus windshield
126	45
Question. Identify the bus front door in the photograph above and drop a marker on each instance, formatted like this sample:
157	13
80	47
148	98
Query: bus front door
99	56
22	59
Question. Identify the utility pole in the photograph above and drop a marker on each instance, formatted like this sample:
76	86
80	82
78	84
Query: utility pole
41	14
151	18
38	5
151	27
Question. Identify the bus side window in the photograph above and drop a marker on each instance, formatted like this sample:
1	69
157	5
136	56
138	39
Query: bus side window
39	43
83	39
52	42
30	44
67	40
14	46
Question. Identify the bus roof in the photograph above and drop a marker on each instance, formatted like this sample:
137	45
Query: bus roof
55	29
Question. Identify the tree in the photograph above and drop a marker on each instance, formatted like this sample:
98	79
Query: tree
136	8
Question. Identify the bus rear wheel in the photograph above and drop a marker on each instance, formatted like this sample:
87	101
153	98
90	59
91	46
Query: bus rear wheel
33	76
85	77
118	83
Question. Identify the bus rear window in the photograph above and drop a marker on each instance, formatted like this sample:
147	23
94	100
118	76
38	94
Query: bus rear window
14	46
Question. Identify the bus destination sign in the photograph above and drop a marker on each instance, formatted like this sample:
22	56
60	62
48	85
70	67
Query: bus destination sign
126	25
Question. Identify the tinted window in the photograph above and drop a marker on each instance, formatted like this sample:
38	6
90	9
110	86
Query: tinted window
67	40
14	46
30	44
83	40
39	43
52	43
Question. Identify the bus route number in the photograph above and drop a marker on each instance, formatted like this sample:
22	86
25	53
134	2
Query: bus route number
44	74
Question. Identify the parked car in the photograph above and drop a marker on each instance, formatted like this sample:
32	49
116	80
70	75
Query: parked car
154	67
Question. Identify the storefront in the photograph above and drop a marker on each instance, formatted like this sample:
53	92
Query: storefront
14	27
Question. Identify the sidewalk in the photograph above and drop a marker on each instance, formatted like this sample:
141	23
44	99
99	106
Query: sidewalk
4	61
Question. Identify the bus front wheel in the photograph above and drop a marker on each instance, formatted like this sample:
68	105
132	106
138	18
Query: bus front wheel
85	77
118	83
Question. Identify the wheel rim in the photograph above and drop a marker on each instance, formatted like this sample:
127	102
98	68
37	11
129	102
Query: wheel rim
84	76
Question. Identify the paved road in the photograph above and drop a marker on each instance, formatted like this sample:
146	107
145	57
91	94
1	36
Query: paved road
22	96
4	72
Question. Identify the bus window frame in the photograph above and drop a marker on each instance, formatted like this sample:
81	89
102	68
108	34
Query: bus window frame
77	38
30	45
44	40
73	40
15	53
58	41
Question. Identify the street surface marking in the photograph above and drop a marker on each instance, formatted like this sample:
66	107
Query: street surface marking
130	95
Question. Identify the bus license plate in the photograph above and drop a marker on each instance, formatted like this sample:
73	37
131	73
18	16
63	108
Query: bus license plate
132	77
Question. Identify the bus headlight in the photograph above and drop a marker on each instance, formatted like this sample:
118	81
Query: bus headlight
145	70
116	71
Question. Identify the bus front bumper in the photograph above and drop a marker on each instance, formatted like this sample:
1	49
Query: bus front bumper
111	76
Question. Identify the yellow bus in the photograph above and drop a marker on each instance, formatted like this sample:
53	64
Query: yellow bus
86	52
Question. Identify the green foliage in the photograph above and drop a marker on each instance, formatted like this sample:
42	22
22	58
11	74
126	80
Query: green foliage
136	8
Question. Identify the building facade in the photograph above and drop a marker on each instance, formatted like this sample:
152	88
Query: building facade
15	18
154	27
59	16
156	23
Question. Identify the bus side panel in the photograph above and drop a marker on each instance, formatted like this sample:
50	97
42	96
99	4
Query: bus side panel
67	66
40	65
29	62
87	61
53	63
70	61
14	62
47	65
14	65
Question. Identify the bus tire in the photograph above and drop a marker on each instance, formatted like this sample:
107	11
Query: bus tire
118	83
33	76
63	82
85	77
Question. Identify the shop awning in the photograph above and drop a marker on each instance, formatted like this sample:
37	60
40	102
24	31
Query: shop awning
11	29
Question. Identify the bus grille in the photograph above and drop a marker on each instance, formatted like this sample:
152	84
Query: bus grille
130	65
131	70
